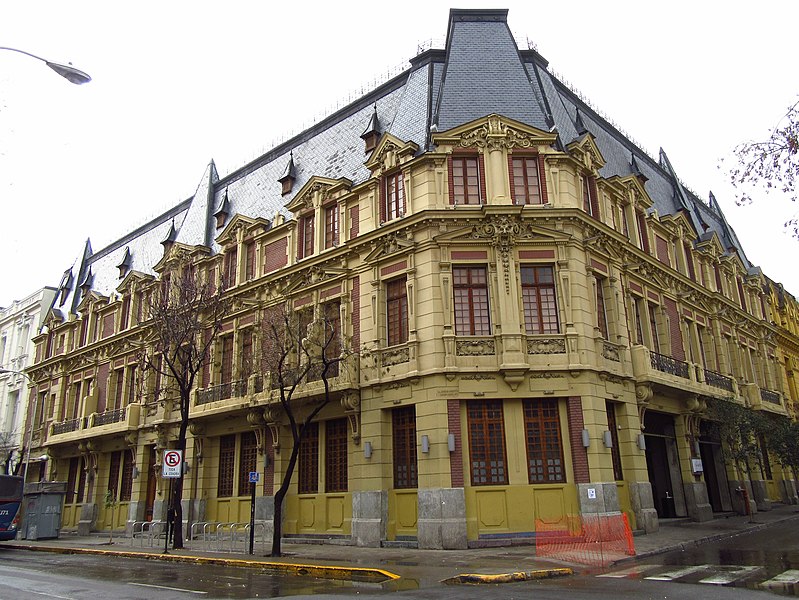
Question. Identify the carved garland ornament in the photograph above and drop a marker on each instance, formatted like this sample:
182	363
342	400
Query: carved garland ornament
495	135
546	346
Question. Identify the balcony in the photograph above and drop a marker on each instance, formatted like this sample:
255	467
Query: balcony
96	424
763	399
718	380
667	364
679	376
222	391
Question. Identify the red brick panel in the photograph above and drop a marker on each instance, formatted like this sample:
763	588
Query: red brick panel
276	255
662	248
108	325
469	255
542	177
536	254
400	266
355	222
454	427
269	471
574	409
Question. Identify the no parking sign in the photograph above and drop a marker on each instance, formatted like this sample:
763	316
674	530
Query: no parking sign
173	463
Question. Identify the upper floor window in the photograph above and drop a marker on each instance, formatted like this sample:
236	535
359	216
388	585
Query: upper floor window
466	180
249	261
305	244
538	297
230	264
470	289
601	312
331	226
590	199
526	180
643	234
394	196
396	312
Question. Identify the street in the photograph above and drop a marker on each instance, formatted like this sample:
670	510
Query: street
766	560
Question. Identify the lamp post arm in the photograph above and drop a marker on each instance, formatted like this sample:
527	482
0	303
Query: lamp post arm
68	72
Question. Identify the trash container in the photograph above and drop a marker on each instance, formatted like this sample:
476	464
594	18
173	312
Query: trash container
43	501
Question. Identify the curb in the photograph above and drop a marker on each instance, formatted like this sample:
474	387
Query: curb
319	571
475	578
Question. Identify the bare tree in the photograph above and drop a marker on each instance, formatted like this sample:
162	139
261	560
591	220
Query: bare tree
185	317
771	165
300	349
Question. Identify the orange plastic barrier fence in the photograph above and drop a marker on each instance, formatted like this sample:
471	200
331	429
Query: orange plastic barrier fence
597	540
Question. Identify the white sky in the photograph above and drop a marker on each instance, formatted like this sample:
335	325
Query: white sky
178	83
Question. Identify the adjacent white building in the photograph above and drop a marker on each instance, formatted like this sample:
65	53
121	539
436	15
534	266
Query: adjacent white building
18	324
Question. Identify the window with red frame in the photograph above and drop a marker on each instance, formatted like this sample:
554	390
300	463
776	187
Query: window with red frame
403	427
470	290
336	455
538	297
247	461
308	461
397	311
331	226
394	196
227	466
487	456
466	182
544	445
601	312
526	182
230	266
249	261
306	233
590	196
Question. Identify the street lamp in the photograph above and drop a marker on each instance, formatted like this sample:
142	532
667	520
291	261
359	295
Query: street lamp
30	430
68	72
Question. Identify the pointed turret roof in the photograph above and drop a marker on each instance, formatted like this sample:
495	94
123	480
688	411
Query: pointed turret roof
484	73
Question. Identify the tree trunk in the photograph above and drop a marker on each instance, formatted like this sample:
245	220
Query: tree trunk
177	496
280	496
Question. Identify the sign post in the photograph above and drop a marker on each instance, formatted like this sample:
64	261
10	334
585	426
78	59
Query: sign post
254	475
172	469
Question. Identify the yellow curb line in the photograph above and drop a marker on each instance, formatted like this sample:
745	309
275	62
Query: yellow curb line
320	571
475	578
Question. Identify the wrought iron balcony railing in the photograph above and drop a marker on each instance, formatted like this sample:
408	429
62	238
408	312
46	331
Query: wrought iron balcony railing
718	380
110	416
67	426
769	396
667	364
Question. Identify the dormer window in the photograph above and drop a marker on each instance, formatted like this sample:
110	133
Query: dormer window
371	134
526	184
222	213
331	225
124	265
305	243
289	176
466	180
393	197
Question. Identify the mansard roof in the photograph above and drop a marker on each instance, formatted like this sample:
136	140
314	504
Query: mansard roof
480	71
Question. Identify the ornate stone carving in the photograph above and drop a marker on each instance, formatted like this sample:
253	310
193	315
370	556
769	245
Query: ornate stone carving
481	347
351	403
478	377
611	352
394	357
502	231
547	375
495	135
546	346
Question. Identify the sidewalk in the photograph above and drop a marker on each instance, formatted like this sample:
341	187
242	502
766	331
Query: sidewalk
400	568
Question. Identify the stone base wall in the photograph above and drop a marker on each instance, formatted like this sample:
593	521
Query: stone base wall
643	505
369	518
442	519
697	502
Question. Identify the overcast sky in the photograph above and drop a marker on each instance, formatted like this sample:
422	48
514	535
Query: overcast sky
176	84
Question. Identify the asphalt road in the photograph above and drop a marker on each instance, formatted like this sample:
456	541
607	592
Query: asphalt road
725	570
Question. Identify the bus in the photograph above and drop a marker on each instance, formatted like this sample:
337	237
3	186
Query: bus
10	506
